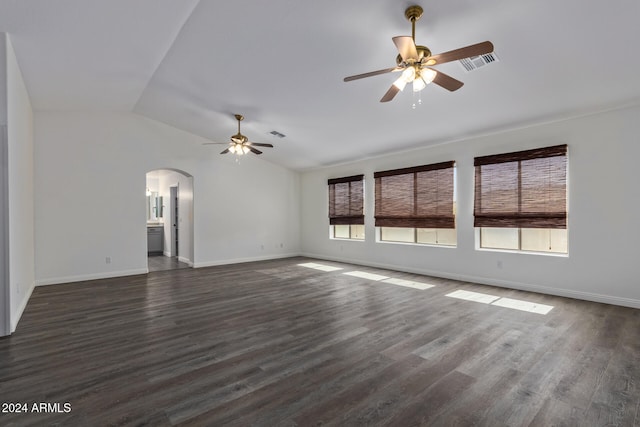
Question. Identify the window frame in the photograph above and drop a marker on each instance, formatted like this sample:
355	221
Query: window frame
351	219
379	239
428	221
479	247
519	221
332	233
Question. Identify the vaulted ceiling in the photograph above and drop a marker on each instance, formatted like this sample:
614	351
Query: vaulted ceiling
194	63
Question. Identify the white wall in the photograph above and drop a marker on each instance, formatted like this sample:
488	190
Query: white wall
90	187
21	188
604	209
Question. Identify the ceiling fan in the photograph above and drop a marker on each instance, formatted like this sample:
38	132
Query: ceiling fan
414	61
240	144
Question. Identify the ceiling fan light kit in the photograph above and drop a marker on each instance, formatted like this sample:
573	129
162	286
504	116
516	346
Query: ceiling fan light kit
414	61
240	144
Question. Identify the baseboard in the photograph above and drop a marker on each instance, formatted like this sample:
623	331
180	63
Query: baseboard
18	314
241	260
568	293
93	276
186	261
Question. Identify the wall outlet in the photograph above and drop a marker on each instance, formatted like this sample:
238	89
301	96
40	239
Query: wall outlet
107	260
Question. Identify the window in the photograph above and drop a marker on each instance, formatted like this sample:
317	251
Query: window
346	207
521	200
415	205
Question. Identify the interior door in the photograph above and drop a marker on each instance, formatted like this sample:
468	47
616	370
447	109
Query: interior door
175	220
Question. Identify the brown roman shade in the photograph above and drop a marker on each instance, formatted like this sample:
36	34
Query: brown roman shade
346	200
525	189
420	197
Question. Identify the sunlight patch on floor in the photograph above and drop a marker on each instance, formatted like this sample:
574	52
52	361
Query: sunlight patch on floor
473	296
370	276
365	275
408	283
515	304
320	267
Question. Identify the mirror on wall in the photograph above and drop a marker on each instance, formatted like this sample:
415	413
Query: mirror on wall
154	206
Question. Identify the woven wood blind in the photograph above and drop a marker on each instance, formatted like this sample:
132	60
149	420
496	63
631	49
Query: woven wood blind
346	200
420	197
523	189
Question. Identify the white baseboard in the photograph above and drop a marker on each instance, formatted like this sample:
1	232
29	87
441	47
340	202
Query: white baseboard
587	296
93	276
241	260
18	314
186	261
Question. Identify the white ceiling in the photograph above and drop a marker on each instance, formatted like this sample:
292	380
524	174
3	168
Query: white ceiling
194	63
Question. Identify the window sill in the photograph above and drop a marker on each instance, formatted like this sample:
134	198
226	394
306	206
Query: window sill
515	251
431	245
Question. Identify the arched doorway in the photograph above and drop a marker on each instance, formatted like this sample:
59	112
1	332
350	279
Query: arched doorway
169	206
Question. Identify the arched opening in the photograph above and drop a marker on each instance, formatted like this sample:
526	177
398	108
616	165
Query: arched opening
169	207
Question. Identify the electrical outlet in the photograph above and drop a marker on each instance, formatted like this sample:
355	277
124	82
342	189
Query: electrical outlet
107	260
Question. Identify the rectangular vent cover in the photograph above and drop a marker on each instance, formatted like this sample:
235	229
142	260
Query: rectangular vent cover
276	133
475	62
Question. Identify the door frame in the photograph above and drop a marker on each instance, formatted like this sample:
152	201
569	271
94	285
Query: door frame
174	205
5	293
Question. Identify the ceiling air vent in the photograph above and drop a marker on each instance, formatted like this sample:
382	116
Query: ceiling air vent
475	62
276	133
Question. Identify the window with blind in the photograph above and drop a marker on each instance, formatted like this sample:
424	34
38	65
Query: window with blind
521	200
416	205
346	207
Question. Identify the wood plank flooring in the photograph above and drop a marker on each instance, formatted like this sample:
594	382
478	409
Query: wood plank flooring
162	263
276	344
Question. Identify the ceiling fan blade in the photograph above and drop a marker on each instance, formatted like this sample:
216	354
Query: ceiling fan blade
225	151
447	82
372	73
253	150
463	52
407	48
259	144
391	93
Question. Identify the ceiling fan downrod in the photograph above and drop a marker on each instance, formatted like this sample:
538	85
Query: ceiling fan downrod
240	137
413	13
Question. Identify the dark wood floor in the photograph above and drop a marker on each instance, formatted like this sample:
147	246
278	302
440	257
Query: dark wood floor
163	263
276	344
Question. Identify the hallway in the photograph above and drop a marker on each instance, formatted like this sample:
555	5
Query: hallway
162	263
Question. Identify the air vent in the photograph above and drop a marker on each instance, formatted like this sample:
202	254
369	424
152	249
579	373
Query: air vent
475	62
277	134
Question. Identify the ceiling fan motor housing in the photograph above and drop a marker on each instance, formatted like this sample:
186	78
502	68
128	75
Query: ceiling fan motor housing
240	138
423	53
